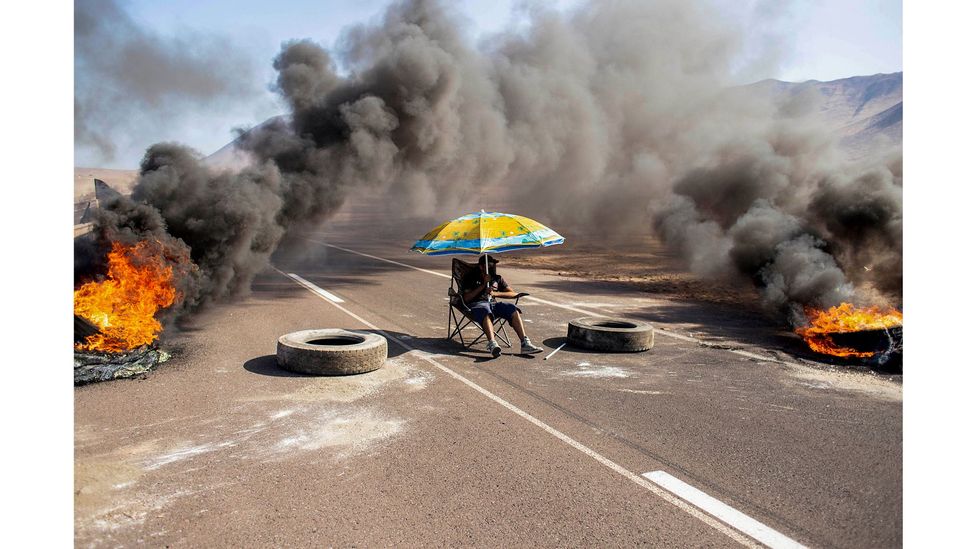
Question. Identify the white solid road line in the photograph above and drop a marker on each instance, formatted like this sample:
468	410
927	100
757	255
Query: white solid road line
741	522
633	477
327	295
662	331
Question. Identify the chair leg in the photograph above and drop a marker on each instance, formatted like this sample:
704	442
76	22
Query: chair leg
460	332
503	334
458	327
450	315
481	334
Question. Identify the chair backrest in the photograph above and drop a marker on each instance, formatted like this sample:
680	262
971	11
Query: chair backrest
461	269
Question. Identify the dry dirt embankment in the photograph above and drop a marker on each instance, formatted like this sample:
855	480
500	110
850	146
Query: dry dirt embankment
120	180
644	263
85	197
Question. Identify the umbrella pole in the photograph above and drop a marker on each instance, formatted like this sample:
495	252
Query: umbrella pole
488	286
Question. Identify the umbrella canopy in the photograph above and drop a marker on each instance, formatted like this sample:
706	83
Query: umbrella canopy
485	232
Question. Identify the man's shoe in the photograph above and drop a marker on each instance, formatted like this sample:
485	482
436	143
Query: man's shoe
495	349
528	348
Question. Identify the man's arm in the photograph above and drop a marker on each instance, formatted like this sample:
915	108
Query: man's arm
506	291
473	293
469	295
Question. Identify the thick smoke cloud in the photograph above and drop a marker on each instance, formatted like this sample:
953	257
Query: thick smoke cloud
129	79
616	119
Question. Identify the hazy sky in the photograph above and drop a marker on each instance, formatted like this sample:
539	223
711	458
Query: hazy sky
815	39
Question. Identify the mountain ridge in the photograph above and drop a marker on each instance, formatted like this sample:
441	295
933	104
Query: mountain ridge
864	111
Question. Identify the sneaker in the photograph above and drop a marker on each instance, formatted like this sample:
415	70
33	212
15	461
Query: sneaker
528	348
495	349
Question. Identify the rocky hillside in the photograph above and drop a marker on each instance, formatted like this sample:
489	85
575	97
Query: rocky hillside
864	111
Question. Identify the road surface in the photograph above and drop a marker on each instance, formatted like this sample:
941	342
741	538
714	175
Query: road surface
711	439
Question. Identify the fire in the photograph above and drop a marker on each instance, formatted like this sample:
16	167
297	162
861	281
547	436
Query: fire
124	305
845	318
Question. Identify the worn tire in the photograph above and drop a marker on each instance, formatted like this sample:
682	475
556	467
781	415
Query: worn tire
331	352
615	335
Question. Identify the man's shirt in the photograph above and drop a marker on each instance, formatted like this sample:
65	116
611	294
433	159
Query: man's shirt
498	284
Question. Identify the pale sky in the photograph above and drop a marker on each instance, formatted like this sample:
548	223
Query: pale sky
821	40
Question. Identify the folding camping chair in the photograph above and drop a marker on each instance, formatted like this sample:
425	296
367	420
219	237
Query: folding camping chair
459	314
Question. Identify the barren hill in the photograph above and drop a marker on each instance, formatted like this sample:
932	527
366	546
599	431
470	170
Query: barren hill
862	110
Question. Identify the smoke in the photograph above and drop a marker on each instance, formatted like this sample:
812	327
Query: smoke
131	82
614	119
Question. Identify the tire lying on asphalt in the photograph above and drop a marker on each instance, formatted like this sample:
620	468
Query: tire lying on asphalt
331	352
615	335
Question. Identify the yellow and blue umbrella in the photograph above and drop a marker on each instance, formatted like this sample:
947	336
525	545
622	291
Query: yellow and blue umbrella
486	232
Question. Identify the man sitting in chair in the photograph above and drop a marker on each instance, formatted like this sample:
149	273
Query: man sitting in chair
479	291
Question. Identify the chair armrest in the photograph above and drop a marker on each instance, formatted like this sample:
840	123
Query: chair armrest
520	295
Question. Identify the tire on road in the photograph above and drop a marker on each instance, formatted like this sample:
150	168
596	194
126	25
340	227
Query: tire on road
331	352
615	335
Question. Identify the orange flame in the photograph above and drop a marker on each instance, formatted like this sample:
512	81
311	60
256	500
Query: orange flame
124	305
845	318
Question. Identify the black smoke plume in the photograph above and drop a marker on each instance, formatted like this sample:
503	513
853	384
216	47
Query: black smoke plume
617	117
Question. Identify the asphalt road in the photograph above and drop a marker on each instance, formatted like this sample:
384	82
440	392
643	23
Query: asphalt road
443	446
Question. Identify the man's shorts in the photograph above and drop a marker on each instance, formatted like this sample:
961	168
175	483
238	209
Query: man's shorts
481	309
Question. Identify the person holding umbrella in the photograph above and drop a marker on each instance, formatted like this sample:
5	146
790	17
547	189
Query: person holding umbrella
478	293
479	233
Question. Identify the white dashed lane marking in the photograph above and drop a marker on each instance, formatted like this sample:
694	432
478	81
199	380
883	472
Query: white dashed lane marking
740	521
315	289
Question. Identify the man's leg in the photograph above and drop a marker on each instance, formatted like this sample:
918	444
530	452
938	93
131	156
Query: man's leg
488	327
492	346
516	322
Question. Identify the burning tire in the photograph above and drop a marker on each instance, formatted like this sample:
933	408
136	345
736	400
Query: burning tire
331	352
611	334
